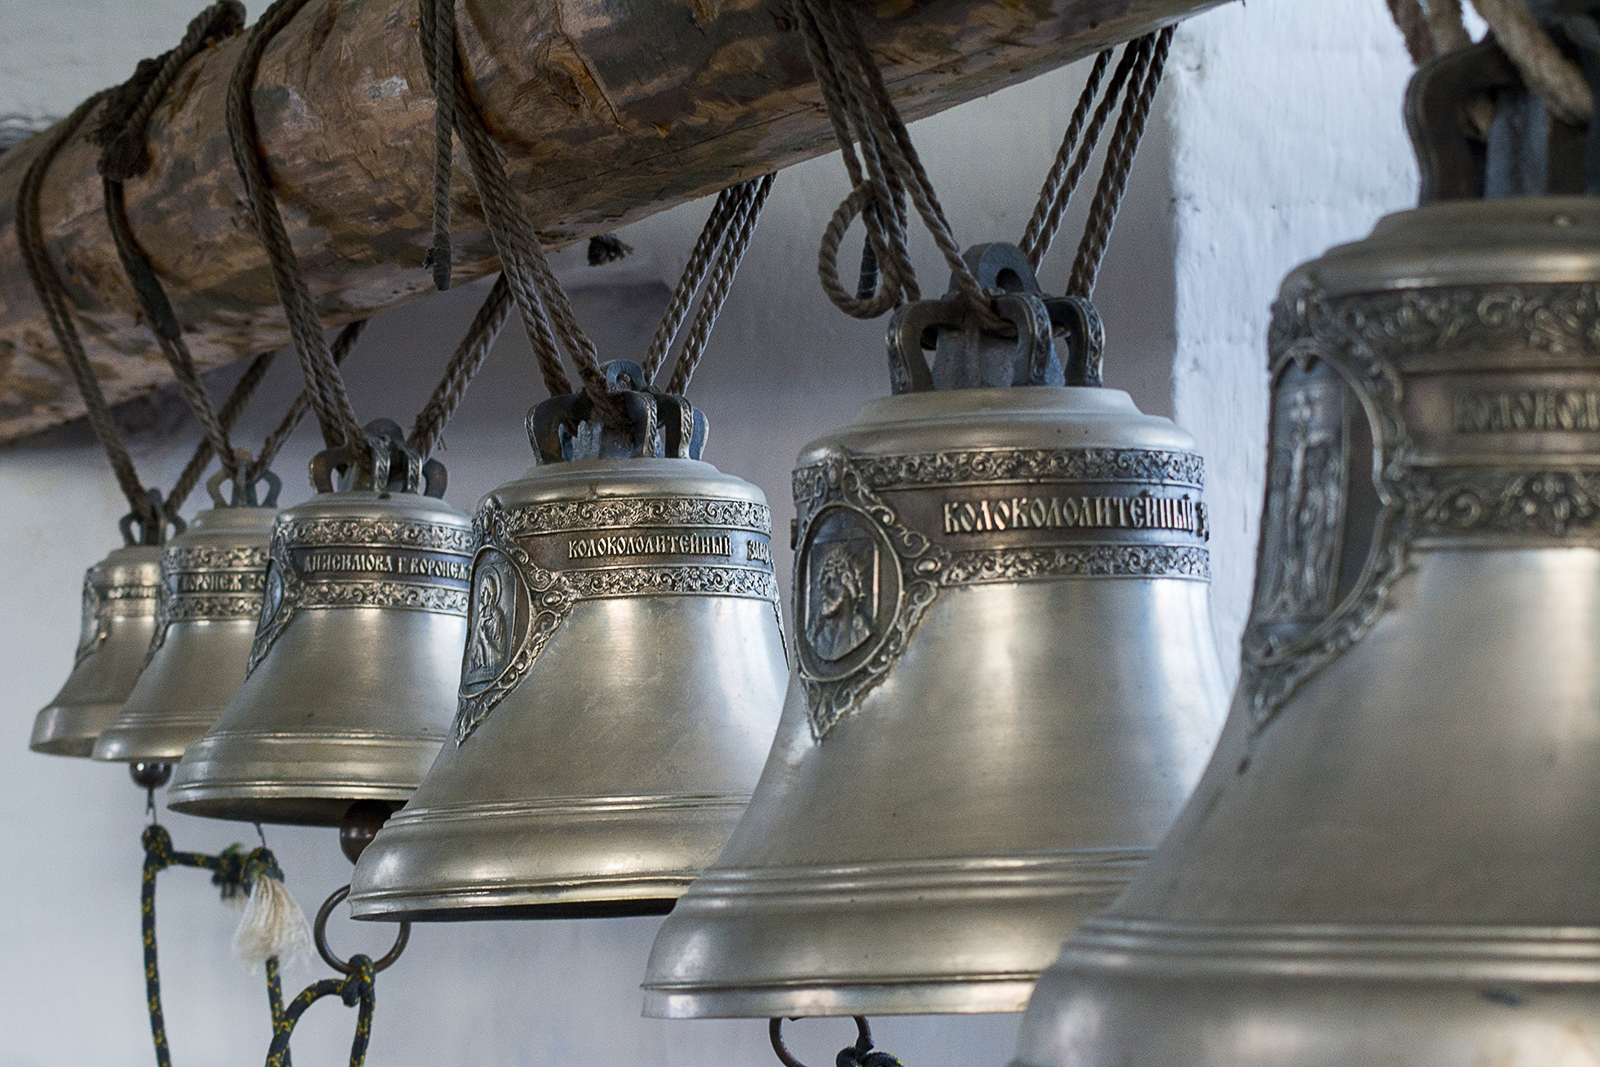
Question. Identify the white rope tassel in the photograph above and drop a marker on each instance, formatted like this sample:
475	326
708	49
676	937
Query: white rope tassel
272	925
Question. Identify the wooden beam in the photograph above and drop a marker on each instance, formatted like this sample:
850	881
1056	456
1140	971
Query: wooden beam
608	111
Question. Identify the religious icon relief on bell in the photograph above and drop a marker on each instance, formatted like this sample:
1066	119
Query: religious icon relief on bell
880	537
538	561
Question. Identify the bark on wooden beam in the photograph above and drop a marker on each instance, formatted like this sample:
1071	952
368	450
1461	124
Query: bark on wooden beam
608	112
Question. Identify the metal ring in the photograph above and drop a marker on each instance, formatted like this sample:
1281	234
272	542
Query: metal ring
775	1031
319	933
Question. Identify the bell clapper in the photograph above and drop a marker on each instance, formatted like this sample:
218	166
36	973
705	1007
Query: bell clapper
150	777
860	1054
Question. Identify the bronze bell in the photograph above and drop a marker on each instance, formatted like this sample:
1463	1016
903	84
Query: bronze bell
348	688
1005	686
212	578
619	688
1393	859
120	597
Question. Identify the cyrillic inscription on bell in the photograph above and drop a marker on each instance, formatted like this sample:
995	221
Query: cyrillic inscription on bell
352	671
620	687
213	576
1005	686
1392	859
120	598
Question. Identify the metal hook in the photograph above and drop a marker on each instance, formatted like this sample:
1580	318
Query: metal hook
860	1053
319	933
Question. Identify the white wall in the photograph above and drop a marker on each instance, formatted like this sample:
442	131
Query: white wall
1276	134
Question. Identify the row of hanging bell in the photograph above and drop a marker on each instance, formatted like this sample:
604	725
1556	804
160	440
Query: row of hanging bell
1005	686
213	575
1393	859
620	684
362	620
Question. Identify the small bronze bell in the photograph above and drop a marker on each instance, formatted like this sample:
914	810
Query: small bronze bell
212	577
1393	859
350	680
120	596
1006	683
620	687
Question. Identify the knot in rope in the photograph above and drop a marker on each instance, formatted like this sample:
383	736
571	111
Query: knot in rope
157	846
120	127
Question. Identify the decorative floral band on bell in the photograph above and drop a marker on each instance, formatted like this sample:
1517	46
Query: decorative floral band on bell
536	561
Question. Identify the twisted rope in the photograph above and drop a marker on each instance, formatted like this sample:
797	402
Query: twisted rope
145	503
1072	159
440	48
739	228
234	871
545	308
468	359
1150	60
328	400
1557	79
862	113
526	277
120	131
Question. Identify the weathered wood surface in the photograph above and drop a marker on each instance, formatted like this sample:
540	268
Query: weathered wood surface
609	111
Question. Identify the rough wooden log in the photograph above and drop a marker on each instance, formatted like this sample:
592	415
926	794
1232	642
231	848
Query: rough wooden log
608	112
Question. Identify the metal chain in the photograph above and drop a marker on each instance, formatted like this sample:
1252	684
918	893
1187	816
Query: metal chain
1150	60
145	503
329	402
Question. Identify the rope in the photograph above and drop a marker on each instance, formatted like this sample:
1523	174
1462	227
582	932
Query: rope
440	46
342	344
1150	58
328	400
146	504
1072	159
526	277
717	254
468	358
1557	79
356	990
546	311
231	409
862	113
740	228
120	131
234	871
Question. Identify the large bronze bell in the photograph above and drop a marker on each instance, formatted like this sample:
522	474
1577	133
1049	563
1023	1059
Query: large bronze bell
120	597
352	674
1393	859
1006	683
620	685
212	577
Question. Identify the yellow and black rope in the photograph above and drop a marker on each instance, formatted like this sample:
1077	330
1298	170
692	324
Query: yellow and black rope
233	871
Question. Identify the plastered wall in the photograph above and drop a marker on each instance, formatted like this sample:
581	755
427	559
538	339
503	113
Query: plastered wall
1277	133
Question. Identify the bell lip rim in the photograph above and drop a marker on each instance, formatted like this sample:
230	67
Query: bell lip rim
76	743
1002	993
598	897
1379	263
